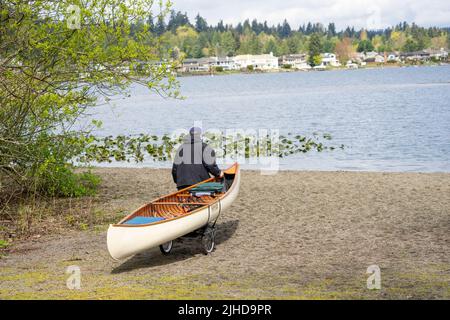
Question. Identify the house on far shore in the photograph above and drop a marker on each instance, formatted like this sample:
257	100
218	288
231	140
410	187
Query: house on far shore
196	65
441	54
416	56
296	61
373	57
330	59
226	63
260	61
351	65
392	57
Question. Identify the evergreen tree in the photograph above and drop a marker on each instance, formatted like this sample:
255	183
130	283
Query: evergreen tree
228	44
220	26
160	27
314	48
331	31
285	29
365	46
309	29
271	46
150	23
200	24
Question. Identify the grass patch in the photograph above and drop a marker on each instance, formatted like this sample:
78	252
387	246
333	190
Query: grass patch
3	244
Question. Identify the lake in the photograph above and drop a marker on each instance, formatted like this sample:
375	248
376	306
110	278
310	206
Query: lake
392	119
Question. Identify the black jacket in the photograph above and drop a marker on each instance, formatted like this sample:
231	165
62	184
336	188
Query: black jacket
194	161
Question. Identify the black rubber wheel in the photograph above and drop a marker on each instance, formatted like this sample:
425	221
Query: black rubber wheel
166	247
209	240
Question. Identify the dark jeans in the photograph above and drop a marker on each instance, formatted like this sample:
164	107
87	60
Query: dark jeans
183	187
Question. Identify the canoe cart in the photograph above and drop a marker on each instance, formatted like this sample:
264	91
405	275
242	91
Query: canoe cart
188	212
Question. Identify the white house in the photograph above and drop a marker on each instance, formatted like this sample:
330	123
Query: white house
373	56
351	65
196	65
260	61
438	54
296	61
227	63
329	59
379	58
392	57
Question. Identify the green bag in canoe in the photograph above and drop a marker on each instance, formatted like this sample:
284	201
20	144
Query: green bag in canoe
208	187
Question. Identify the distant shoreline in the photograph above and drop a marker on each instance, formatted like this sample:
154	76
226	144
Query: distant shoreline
282	70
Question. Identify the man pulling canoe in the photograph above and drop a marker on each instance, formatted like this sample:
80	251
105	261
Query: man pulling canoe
194	161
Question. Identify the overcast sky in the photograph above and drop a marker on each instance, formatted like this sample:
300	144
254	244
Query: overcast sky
369	14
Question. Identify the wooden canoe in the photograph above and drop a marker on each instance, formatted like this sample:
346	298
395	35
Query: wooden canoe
177	214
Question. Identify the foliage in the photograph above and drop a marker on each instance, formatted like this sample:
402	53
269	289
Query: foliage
64	182
255	37
365	46
317	60
161	148
52	71
314	49
345	50
3	244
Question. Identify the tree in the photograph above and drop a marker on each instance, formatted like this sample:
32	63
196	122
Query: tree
439	42
345	50
363	35
314	48
317	60
293	44
220	26
271	46
377	42
410	46
397	40
228	43
365	46
309	28
285	29
160	27
52	71
331	30
200	24
329	44
176	20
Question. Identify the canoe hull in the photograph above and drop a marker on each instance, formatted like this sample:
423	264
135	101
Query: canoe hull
126	240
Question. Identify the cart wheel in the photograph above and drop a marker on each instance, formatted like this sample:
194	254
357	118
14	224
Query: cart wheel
166	247
209	240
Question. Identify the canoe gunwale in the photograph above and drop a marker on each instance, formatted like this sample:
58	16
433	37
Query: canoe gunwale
206	205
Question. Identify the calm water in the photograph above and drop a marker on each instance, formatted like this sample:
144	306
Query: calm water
389	119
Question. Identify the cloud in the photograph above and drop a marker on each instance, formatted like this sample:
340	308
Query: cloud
357	13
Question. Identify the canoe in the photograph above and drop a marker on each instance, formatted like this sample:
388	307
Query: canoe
172	216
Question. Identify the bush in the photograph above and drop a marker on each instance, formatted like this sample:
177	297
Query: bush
286	66
62	181
250	67
218	69
45	90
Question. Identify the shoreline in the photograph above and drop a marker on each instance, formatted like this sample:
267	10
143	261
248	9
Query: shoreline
281	70
169	166
294	235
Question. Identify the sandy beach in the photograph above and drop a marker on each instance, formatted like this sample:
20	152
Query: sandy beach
293	235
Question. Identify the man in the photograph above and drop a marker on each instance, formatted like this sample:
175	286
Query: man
194	161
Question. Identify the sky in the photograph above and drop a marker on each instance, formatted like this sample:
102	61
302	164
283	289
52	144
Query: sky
369	14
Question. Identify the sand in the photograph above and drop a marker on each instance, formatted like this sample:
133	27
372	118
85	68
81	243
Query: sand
293	235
